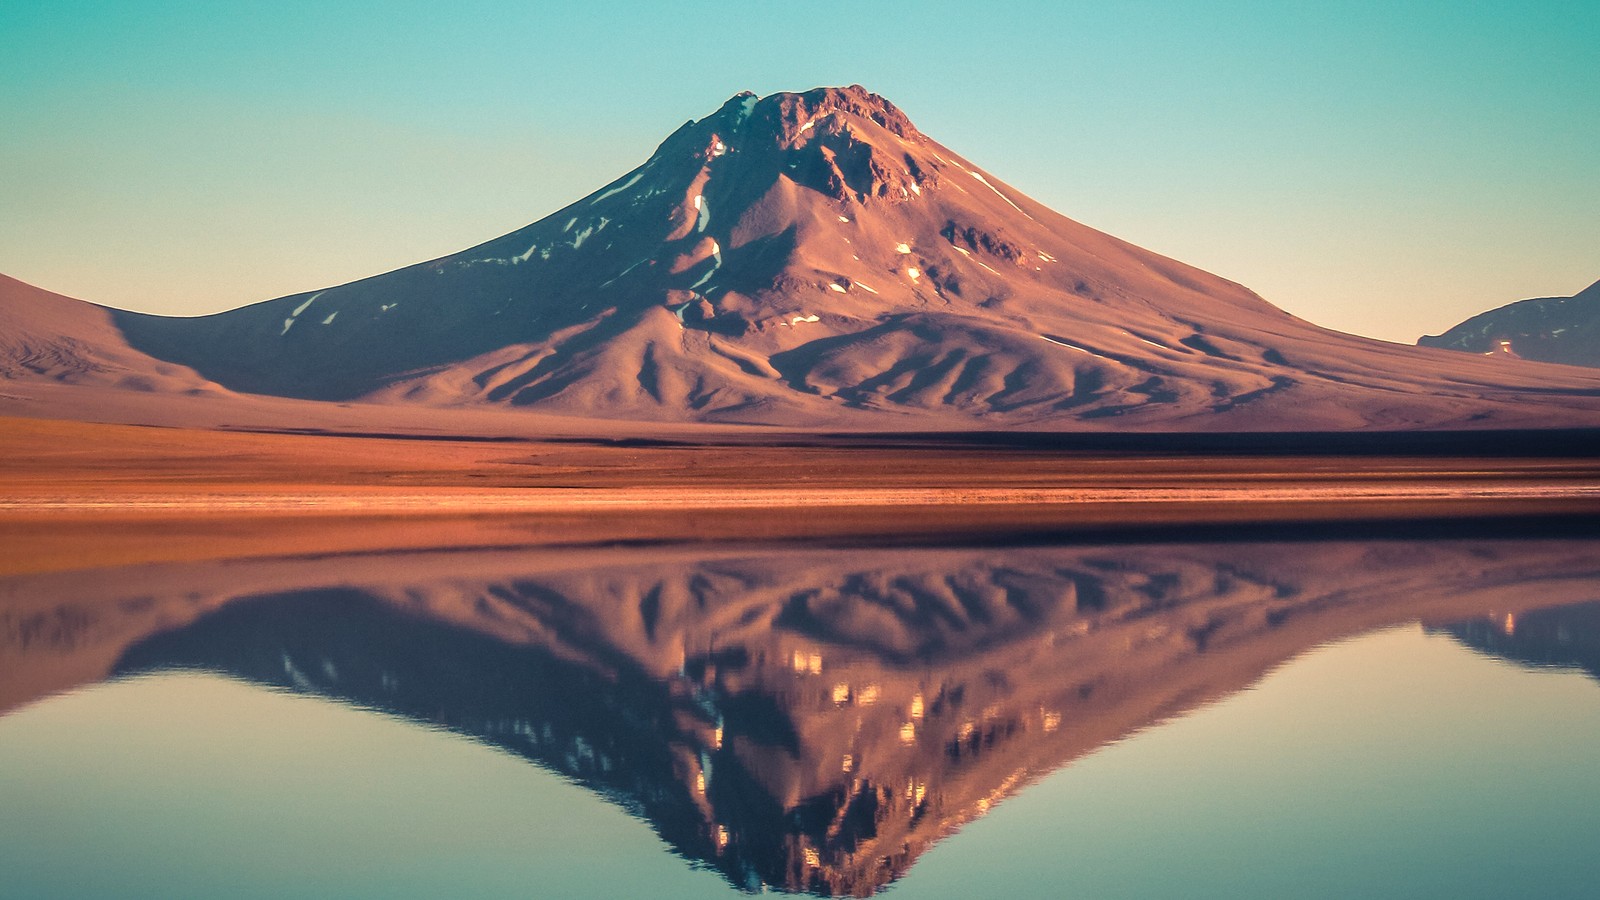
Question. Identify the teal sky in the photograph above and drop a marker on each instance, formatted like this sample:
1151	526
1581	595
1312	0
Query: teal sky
1382	168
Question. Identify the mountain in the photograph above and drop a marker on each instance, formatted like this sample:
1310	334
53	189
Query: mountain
813	259
1548	329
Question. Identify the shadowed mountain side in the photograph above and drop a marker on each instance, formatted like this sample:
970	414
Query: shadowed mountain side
813	259
809	719
1548	329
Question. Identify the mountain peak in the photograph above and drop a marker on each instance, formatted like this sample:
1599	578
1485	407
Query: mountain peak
794	111
791	114
845	143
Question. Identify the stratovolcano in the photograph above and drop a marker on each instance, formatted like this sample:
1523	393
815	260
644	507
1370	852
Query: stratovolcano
809	259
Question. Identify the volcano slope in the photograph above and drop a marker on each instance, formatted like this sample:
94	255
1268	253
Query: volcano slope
813	259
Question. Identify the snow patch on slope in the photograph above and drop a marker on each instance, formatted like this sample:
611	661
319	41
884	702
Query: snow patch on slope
704	208
620	188
716	263
289	322
985	182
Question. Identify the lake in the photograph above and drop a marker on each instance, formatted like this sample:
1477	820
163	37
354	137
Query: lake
1385	712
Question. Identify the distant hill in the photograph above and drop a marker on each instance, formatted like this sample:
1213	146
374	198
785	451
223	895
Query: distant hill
1548	329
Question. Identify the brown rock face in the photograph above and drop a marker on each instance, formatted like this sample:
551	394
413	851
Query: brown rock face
795	111
822	129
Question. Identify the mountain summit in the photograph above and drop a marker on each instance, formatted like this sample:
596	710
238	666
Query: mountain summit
813	258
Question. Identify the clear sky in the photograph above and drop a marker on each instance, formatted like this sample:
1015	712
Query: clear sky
1387	168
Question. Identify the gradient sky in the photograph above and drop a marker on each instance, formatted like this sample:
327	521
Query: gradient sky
1382	168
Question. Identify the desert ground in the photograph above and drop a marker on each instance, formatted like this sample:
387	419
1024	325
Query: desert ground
75	494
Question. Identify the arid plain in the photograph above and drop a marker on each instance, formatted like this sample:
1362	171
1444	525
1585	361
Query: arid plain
74	494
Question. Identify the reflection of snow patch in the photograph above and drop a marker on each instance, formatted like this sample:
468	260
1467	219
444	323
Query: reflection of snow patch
388	306
298	677
620	188
568	227
525	255
581	236
704	218
329	319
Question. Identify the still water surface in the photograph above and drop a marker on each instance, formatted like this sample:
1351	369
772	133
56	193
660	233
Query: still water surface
1285	718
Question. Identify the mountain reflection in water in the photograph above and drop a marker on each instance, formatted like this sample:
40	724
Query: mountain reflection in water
1565	637
806	718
